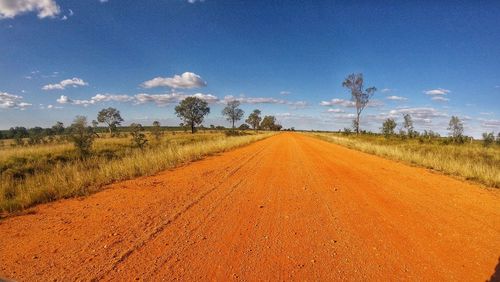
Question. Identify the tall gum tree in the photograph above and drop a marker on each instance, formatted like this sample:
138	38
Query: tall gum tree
360	96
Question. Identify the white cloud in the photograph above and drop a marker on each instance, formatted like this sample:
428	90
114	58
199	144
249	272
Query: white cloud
439	91
70	14
209	98
159	99
74	82
490	123
171	98
111	97
419	114
10	101
345	116
264	100
284	93
396	98
386	90
64	100
165	99
349	103
103	1
186	80
440	99
335	111
43	8
339	102
98	98
194	1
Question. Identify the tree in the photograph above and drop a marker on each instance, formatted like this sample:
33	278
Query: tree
192	110
156	130
388	127
408	125
361	97
456	128
254	119
488	138
82	136
269	123
35	135
232	112
111	117
138	138
355	125
498	138
18	133
244	126
58	128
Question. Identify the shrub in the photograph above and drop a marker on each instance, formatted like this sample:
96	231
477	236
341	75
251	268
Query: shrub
138	138
234	133
388	127
488	139
82	136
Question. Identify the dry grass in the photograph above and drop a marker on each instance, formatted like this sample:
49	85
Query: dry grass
33	175
470	161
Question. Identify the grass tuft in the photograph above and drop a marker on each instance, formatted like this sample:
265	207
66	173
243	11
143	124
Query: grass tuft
44	173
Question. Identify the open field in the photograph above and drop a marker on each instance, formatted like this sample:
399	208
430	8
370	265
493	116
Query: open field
42	173
290	207
471	161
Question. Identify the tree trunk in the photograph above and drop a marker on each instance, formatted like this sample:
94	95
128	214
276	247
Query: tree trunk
192	128
357	124
233	123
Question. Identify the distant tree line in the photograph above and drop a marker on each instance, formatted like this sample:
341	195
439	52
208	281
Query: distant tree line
82	133
360	98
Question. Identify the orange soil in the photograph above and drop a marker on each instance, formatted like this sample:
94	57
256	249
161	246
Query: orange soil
288	207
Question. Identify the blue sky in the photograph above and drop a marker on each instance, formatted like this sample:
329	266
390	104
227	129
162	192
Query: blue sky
432	59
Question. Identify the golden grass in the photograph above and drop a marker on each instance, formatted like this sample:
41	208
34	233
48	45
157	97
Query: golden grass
55	172
470	161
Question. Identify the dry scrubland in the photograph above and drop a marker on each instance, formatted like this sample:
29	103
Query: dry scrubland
43	173
470	161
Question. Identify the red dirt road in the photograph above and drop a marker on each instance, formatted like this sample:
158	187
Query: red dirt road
290	207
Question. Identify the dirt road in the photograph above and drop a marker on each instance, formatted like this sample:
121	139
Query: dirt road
290	207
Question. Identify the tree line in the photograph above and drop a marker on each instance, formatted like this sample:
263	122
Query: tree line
191	111
361	97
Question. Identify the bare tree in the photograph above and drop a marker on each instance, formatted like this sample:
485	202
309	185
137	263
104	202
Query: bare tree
456	128
232	112
408	125
360	97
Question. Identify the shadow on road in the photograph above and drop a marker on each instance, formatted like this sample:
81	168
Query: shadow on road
495	277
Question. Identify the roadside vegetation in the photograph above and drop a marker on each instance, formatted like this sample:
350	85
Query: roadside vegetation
458	155
455	154
39	165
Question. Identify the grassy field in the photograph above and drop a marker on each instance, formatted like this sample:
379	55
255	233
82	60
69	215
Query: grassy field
36	174
471	161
